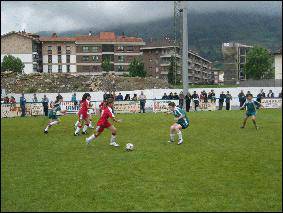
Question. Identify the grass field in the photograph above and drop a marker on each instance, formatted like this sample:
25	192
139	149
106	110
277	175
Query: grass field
220	167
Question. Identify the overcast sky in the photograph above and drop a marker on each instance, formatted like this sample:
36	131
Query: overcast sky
63	16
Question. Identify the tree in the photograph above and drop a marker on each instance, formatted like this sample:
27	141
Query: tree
136	68
172	75
106	65
11	63
259	64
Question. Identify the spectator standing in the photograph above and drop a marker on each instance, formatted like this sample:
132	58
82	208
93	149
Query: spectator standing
23	105
135	97
142	99
34	98
181	99
221	100
119	97
242	98
228	100
74	99
204	96
45	102
195	98
260	96
270	94
12	100
127	97
6	100
175	97
213	96
164	97
171	97
188	98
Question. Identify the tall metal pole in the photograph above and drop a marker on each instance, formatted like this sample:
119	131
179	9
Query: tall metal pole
185	51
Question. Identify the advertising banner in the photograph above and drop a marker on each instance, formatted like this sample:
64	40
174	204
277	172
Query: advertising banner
272	103
162	105
126	106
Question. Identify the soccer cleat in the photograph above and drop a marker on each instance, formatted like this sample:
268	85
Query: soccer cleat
180	142
83	133
114	144
170	141
242	127
45	131
76	134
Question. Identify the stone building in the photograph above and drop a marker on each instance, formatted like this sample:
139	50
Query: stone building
25	46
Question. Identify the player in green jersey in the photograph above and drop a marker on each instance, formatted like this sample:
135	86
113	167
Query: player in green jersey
53	113
250	106
182	122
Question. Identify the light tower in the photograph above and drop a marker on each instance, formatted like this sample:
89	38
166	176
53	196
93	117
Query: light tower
185	51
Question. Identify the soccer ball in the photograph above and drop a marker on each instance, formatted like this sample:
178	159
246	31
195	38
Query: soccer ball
129	147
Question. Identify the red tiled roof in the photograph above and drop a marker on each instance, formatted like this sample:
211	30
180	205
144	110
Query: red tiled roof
24	34
102	37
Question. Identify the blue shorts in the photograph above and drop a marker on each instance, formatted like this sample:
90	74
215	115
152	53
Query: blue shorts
52	115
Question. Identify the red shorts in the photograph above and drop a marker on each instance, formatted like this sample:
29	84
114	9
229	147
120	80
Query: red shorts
83	115
100	126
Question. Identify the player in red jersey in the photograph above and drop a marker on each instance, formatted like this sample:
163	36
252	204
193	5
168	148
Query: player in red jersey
83	114
103	123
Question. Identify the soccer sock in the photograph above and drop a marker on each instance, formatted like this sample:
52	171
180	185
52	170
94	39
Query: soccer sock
113	139
78	129
46	129
92	137
90	124
172	137
85	128
77	123
180	135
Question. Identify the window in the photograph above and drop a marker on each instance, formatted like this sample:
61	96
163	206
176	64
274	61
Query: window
60	68
68	50
120	68
85	58
35	56
85	49
120	48
95	49
59	49
68	59
130	48
49	68
95	58
49	49
121	58
59	58
49	58
68	68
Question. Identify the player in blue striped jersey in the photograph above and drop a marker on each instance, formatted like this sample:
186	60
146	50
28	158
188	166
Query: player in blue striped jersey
250	106
182	122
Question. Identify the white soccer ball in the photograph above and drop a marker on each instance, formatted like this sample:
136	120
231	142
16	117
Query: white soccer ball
129	147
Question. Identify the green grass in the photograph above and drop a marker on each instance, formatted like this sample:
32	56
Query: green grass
220	167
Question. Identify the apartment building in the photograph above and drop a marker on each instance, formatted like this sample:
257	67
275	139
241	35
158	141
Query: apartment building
92	50
157	56
85	53
25	46
59	54
234	55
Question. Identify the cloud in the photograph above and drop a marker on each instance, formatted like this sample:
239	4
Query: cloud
59	16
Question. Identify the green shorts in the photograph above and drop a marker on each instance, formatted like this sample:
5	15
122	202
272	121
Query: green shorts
184	125
248	114
52	115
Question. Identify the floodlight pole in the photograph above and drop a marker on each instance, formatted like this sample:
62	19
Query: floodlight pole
185	51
